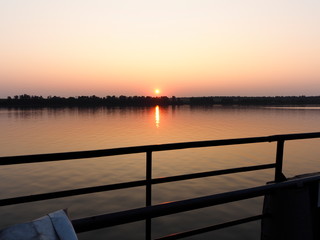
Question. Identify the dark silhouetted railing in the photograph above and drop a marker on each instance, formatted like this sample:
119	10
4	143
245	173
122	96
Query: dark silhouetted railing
152	211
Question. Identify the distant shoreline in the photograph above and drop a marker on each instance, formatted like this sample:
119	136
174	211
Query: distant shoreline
148	101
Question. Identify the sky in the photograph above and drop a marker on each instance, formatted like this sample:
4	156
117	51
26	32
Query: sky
181	47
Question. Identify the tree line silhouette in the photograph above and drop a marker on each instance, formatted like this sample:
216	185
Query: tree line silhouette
39	101
26	100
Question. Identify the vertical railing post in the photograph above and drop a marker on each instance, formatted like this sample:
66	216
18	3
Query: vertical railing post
148	192
279	177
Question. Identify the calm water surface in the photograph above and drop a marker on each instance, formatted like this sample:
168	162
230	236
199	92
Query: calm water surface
73	129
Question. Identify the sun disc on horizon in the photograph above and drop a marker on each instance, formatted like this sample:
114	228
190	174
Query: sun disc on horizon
157	91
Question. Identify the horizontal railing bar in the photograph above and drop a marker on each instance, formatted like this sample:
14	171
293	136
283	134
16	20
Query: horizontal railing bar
72	192
212	173
118	186
138	214
210	228
9	160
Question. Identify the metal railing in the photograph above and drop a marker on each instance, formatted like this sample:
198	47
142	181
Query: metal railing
152	211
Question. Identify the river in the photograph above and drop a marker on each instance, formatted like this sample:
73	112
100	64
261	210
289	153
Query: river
47	130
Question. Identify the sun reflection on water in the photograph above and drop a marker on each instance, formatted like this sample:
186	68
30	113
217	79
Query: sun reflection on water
157	116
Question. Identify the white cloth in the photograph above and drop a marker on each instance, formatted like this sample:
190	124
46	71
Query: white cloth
54	226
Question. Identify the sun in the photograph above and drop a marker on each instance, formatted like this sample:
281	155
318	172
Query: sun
157	91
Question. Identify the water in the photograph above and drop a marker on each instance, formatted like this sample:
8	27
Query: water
72	129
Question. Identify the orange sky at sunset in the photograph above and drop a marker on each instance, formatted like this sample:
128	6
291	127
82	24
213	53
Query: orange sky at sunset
181	47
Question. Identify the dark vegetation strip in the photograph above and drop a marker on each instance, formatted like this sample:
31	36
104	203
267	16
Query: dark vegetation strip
26	100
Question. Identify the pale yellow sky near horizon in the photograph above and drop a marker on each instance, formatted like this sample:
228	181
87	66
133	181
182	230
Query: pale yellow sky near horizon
182	47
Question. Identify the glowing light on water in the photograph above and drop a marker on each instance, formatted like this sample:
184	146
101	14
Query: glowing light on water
157	116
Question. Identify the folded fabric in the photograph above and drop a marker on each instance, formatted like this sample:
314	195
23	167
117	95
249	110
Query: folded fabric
54	226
